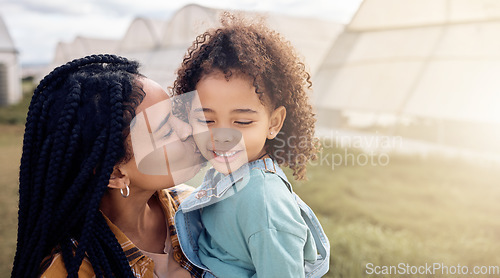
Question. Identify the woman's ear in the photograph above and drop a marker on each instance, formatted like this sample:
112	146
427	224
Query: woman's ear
119	178
276	122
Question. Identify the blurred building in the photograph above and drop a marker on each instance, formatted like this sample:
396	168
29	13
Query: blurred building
10	78
425	69
428	66
160	44
82	46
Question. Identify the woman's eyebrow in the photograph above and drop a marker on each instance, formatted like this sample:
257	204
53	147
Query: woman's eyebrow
163	122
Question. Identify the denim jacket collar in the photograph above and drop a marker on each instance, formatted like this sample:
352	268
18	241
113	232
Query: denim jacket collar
215	186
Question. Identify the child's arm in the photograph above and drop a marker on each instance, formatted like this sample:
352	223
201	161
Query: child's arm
277	254
279	240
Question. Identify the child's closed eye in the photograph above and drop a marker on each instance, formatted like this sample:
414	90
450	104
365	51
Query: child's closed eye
243	122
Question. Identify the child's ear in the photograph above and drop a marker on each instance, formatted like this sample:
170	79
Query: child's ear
276	122
119	178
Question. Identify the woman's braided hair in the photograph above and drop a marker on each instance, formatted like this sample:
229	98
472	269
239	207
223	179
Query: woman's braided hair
76	131
251	49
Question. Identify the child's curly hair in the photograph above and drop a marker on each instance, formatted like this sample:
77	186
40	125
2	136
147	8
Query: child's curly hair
238	47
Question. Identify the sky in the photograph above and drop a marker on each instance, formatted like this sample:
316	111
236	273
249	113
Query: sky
37	26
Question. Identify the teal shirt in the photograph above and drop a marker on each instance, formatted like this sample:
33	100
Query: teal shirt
257	232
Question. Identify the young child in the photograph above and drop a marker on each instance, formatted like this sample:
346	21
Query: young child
251	114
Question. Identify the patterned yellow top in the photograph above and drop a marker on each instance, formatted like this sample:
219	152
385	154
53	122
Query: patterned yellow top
141	265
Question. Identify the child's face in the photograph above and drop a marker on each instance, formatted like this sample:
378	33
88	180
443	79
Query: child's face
237	121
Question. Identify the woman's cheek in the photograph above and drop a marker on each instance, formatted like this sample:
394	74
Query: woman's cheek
177	151
201	139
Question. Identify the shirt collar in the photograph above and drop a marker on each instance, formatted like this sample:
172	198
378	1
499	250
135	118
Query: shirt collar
131	251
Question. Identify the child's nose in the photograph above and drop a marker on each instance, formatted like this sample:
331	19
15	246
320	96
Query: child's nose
225	135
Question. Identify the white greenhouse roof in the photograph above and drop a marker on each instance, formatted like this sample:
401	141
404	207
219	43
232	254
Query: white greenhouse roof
428	58
6	42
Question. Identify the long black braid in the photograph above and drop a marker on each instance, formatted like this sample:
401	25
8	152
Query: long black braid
75	133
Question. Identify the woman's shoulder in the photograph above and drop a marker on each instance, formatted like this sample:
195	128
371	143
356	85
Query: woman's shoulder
53	266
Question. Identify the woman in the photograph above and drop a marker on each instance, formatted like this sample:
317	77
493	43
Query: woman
85	207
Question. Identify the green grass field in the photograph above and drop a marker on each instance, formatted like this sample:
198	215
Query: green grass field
414	210
10	149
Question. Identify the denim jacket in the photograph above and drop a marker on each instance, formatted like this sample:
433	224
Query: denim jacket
188	217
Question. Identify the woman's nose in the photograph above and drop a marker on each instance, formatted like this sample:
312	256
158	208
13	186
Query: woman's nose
181	128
